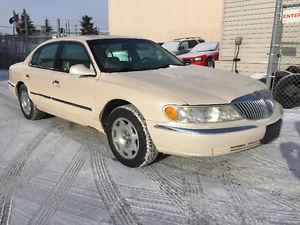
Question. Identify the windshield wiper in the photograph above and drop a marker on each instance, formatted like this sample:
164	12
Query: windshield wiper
130	69
164	66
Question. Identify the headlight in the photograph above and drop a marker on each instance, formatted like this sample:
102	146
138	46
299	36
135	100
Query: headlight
202	114
198	59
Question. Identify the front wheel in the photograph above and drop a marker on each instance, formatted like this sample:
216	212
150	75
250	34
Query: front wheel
29	110
129	138
210	63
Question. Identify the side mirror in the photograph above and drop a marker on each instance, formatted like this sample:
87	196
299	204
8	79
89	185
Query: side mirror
181	48
82	70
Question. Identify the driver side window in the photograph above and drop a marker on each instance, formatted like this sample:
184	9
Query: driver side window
184	45
73	54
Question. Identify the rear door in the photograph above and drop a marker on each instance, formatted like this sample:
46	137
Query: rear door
74	95
39	77
183	48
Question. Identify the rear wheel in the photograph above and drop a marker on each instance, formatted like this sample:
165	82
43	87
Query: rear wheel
129	138
29	110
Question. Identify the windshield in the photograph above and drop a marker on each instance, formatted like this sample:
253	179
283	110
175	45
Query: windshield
124	55
203	47
171	46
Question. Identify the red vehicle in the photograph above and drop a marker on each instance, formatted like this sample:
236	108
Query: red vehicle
203	54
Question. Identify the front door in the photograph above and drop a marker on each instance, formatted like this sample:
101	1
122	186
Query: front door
74	95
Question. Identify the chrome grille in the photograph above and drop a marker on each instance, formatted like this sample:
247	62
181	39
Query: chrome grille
252	107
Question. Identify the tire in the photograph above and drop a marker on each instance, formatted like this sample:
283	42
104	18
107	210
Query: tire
293	69
210	63
280	75
129	138
287	91
29	109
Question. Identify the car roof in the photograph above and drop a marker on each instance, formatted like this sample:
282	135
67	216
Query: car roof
188	39
88	38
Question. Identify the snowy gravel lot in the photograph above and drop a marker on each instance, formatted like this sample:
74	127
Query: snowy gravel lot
56	172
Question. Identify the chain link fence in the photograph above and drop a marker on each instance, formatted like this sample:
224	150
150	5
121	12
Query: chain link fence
284	77
15	48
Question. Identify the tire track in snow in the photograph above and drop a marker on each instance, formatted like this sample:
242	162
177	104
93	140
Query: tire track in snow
9	134
192	191
10	102
266	161
238	175
237	193
181	191
147	202
280	200
5	205
8	181
200	213
49	207
168	185
193	186
118	208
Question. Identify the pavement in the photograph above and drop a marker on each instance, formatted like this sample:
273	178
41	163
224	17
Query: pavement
56	172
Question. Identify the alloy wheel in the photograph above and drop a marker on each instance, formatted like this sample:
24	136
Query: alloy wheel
125	138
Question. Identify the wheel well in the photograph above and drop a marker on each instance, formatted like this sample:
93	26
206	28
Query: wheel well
108	108
18	86
209	58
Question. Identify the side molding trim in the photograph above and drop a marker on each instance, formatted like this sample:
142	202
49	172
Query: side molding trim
206	131
10	84
63	101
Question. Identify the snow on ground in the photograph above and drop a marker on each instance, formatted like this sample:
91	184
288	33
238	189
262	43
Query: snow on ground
56	172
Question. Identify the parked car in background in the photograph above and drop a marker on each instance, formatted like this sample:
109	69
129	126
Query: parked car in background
182	45
203	54
144	98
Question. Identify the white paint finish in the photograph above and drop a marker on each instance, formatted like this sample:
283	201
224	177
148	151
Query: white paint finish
241	188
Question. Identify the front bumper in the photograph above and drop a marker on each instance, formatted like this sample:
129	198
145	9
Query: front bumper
215	141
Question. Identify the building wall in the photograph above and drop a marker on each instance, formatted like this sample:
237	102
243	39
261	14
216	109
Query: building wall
163	20
253	20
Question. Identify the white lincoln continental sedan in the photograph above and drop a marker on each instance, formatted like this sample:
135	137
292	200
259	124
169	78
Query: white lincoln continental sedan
144	98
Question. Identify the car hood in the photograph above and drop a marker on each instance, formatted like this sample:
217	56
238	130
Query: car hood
195	54
193	85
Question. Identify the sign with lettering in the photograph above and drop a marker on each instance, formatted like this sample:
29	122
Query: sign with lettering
291	15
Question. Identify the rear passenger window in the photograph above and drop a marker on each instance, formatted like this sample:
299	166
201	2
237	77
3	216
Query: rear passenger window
73	54
192	43
45	57
35	58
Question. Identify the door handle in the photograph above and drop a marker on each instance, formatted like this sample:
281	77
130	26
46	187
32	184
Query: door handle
56	83
27	76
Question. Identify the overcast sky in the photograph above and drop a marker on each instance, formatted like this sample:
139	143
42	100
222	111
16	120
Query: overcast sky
52	9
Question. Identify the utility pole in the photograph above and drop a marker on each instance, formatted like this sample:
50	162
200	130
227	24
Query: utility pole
66	29
26	34
273	55
26	26
13	29
69	30
58	27
76	29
